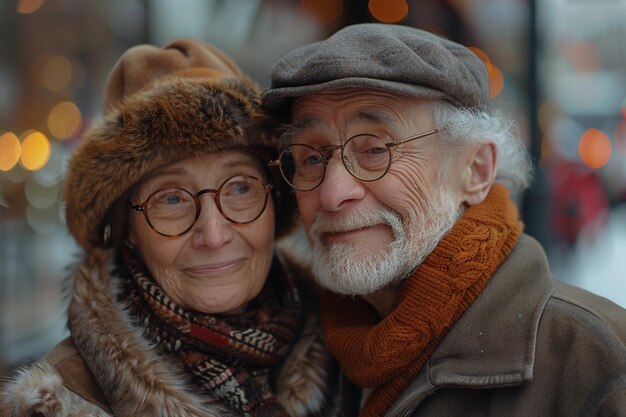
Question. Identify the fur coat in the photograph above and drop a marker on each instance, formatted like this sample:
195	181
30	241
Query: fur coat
132	378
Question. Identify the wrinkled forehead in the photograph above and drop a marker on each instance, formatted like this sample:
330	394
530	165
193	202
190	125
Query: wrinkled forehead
343	109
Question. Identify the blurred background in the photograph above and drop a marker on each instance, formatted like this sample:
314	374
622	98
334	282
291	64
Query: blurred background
558	67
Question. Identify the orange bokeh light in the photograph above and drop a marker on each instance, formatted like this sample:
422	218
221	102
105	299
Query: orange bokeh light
56	72
481	54
496	82
29	6
64	120
388	11
620	137
584	56
594	148
548	112
35	151
10	149
324	11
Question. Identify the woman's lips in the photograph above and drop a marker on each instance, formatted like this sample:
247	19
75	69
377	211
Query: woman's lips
214	268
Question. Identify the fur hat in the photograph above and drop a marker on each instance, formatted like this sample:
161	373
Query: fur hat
162	106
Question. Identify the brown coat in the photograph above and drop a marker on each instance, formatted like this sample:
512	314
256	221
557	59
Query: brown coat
528	346
118	372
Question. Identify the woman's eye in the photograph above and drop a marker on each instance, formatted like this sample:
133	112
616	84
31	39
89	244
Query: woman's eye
240	188
172	199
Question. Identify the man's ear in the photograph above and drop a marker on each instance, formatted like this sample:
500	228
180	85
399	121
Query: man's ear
481	169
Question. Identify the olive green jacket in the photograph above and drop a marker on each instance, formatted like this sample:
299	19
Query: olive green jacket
528	346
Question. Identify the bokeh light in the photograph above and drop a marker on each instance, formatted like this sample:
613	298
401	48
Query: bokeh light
43	221
620	137
594	148
388	11
545	152
39	196
29	6
547	114
52	173
623	107
10	149
584	56
64	120
496	82
324	11
482	55
35	151
56	72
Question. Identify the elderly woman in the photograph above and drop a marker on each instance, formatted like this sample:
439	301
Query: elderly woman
181	305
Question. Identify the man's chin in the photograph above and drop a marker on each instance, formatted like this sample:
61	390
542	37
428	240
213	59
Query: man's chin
353	270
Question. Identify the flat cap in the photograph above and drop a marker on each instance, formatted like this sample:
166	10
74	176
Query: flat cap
394	58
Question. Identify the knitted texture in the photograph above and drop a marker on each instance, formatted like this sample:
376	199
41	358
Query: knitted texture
387	355
230	356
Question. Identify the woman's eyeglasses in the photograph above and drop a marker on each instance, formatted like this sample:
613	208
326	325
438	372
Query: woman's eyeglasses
174	211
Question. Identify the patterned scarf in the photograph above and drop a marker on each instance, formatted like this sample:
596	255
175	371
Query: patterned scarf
230	357
387	355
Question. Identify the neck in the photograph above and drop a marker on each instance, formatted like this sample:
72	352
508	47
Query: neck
383	299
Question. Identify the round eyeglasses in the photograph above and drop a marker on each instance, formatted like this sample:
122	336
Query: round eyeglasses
366	156
174	211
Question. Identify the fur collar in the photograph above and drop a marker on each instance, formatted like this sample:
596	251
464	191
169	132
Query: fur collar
137	380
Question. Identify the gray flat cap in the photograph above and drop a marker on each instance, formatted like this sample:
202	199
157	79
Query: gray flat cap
394	58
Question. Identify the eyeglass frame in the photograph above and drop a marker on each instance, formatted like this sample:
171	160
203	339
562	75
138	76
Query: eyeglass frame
330	149
143	207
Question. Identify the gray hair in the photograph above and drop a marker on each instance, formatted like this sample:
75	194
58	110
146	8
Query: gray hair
463	126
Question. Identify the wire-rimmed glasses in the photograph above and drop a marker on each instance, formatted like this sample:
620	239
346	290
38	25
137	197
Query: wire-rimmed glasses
366	156
174	211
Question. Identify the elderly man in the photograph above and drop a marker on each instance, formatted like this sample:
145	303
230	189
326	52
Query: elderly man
439	305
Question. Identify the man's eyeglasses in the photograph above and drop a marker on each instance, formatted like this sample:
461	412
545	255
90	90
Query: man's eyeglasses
366	156
174	211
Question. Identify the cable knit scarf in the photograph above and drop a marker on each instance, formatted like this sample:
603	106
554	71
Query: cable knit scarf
229	356
387	355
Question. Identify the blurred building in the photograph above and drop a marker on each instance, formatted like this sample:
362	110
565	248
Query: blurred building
559	67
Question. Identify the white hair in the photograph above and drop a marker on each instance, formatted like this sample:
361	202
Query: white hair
343	268
463	126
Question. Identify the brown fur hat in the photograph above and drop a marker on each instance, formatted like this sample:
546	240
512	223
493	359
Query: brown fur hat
162	106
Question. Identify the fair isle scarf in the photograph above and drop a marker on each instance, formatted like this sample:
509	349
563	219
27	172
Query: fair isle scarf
230	357
388	354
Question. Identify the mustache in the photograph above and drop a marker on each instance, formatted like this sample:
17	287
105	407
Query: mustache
354	220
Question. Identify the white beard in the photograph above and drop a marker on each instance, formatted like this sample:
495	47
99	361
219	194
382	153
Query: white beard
343	268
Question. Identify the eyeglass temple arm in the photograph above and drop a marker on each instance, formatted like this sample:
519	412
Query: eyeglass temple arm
412	138
137	207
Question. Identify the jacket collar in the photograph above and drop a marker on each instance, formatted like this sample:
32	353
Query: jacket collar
493	343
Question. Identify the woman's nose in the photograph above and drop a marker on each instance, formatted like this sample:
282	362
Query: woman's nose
212	230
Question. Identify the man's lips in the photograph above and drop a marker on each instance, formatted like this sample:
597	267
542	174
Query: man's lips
349	236
214	268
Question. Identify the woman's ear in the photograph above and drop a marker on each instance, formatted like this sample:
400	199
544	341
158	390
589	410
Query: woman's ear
481	171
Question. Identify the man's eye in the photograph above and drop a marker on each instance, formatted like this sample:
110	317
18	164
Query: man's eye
312	160
376	150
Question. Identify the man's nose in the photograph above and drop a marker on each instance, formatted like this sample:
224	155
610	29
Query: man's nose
339	188
212	230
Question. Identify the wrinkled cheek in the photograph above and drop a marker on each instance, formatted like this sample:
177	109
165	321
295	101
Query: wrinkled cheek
306	208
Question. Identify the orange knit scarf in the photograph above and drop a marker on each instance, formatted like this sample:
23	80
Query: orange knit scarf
387	355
